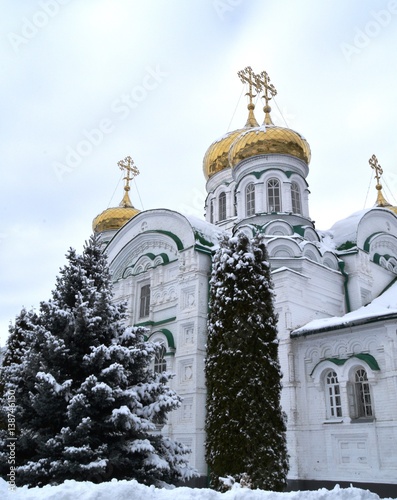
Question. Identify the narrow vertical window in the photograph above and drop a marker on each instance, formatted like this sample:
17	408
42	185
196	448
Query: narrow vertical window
144	305
212	211
296	198
360	396
333	395
160	363
222	206
273	195
250	200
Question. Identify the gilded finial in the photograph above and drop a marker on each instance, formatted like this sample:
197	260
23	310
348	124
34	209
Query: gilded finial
131	172
248	76
263	83
381	201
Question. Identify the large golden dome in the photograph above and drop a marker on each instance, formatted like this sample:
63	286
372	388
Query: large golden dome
253	140
216	157
268	139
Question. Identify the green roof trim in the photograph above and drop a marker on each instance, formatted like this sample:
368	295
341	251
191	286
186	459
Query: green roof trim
201	238
167	334
156	323
299	230
368	240
367	358
347	245
173	236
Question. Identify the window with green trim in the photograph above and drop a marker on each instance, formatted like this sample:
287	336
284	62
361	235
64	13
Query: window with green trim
334	402
273	195
296	198
250	200
160	363
222	206
359	394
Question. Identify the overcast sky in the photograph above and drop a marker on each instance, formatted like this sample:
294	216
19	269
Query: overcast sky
86	83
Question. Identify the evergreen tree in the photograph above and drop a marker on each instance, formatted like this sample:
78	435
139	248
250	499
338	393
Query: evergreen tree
11	380
245	424
90	404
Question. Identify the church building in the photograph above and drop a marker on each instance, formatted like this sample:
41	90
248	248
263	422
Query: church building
336	299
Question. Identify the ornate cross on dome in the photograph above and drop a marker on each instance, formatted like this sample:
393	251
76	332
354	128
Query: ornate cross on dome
373	161
131	172
381	200
248	76
263	83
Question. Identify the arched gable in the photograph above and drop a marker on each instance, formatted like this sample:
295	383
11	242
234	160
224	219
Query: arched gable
156	237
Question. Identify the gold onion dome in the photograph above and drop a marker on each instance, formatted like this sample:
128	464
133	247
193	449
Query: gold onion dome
252	139
268	139
112	219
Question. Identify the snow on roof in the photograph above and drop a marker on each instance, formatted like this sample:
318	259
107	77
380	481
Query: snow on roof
208	231
380	308
343	231
120	490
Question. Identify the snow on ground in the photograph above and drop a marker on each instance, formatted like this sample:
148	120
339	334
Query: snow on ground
131	490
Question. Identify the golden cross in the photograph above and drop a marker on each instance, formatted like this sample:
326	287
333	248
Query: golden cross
263	82
373	161
132	171
248	76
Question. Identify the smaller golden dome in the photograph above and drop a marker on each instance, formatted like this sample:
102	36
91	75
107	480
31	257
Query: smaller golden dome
112	219
268	139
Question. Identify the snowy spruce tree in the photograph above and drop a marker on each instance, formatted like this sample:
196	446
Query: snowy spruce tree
245	424
89	404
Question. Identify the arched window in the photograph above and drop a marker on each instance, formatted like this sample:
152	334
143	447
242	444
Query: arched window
360	403
296	198
160	364
144	301
250	200
332	386
222	206
273	195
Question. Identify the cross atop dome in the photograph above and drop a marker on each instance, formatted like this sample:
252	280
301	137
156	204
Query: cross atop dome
263	83
131	172
248	76
381	200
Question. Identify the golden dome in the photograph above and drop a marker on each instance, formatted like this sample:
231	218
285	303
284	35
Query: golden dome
216	157
112	219
268	139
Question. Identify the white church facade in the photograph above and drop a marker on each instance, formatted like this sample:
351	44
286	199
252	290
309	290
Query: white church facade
336	298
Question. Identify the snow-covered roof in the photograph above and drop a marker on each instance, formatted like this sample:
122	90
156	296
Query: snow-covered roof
343	231
381	308
209	232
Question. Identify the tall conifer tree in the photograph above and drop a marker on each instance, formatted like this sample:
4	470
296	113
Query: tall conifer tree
245	424
89	404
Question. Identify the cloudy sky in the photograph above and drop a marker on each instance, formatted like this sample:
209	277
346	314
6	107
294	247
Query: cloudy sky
86	83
